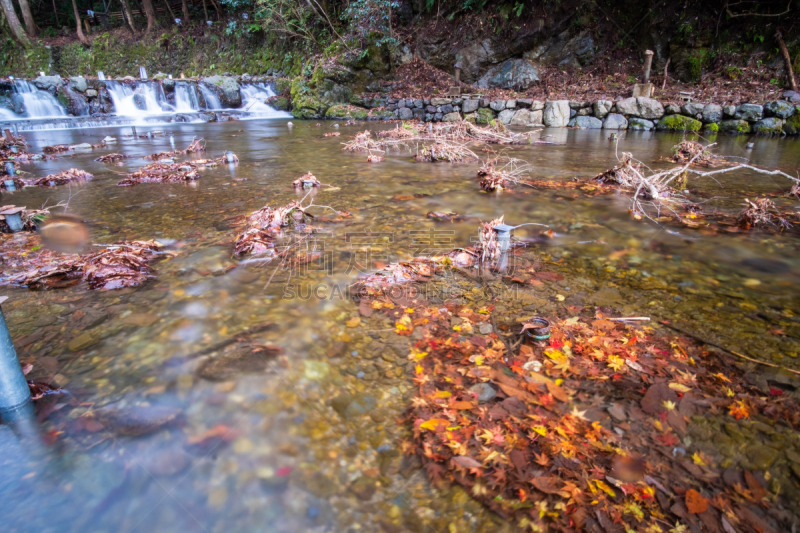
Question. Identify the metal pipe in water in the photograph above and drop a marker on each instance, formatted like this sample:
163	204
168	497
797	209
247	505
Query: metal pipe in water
14	391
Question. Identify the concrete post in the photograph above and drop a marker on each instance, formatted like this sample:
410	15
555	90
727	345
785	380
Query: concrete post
14	391
648	62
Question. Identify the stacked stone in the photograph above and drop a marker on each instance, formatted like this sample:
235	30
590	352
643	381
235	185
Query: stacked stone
643	114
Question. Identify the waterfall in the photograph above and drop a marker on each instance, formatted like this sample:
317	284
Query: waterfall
36	103
254	101
6	114
186	98
147	98
211	98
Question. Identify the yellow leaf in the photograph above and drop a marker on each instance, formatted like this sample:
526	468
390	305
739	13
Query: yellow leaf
442	394
353	322
602	485
541	430
679	388
669	405
433	424
698	460
418	369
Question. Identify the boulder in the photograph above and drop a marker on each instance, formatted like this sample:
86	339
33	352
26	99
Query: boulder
672	109
734	126
728	111
615	121
470	106
506	115
769	126
586	122
47	83
168	85
641	107
522	117
537	105
792	96
516	74
484	116
792	125
78	83
455	116
337	111
692	109
641	124
497	105
405	113
440	101
679	123
779	108
565	50
474	57
556	113
511	104
227	88
91	93
712	113
602	108
749	112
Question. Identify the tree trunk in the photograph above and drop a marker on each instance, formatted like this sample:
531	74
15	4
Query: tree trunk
150	13
81	37
787	60
55	12
185	8
217	8
205	10
28	17
169	8
128	15
14	23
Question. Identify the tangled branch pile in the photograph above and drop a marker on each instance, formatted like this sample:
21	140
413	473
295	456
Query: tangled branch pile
170	172
62	178
123	264
695	152
196	146
306	181
762	213
111	158
499	173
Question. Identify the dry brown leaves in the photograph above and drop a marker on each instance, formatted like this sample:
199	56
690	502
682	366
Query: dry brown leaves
196	146
62	178
306	181
170	172
762	213
264	228
111	158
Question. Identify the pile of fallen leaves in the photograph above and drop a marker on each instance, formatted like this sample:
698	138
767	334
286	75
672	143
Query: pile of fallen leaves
492	179
305	181
264	227
123	264
170	172
56	149
762	213
443	151
624	174
62	178
583	431
694	152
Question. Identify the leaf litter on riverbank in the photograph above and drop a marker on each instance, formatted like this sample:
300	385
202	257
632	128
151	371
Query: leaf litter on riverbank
159	172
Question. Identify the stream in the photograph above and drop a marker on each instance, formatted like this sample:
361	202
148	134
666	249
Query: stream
312	443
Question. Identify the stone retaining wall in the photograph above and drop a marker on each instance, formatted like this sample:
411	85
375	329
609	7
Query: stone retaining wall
776	117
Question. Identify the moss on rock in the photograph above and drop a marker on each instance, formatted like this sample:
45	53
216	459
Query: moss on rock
346	111
711	127
679	123
792	124
734	126
484	115
281	103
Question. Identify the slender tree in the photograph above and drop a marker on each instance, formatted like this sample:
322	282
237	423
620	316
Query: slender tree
185	8
128	15
13	22
81	37
27	16
150	13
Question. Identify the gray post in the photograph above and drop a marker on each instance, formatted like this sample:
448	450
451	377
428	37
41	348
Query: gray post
648	62
14	391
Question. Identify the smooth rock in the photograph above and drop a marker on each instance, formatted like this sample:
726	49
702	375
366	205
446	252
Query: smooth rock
615	121
516	74
483	391
712	113
672	109
779	108
769	126
497	105
537	105
602	108
506	115
556	113
749	112
440	101
90	93
78	83
692	109
586	122
405	113
792	96
734	126
455	116
641	124
728	111
47	83
470	106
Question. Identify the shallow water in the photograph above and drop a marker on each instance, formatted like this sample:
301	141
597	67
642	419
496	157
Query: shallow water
294	460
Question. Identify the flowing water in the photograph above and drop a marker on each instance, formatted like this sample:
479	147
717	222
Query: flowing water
312	444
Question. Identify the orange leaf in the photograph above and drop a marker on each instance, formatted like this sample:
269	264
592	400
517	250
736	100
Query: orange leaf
695	502
434	423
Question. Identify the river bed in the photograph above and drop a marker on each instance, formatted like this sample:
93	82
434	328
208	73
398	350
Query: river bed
312	443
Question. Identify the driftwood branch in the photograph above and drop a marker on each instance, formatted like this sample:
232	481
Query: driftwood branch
787	60
731	14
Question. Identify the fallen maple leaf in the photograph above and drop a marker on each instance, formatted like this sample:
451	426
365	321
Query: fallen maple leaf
695	502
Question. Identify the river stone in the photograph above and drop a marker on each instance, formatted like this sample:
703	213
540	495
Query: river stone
243	357
511	104
497	105
627	106
672	109
351	405
573	113
615	121
227	88
405	113
139	420
769	126
483	391
516	74
586	122
641	107
602	108
712	113
556	113
455	116
692	109
506	115
641	124
679	123
78	83
47	83
440	101
537	105
728	111
749	112
445	109
792	96
779	108
83	341
470	106
524	102
734	126
91	93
